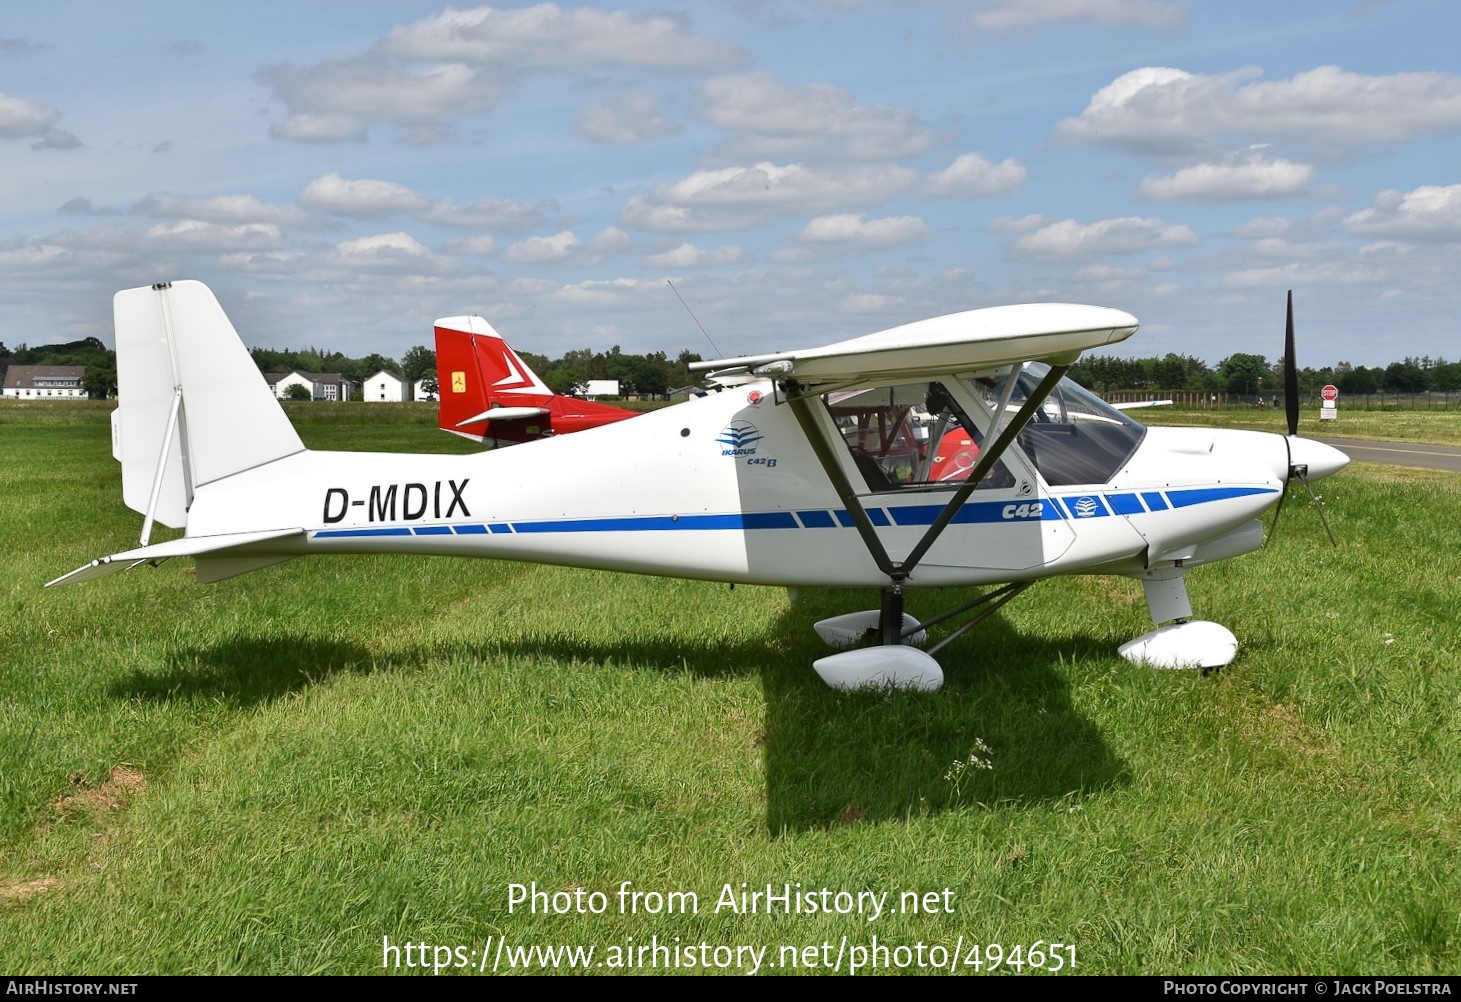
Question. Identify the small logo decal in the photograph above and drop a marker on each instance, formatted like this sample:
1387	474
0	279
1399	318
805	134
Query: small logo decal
459	382
1086	507
739	439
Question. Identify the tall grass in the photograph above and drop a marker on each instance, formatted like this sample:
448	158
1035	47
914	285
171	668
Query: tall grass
271	774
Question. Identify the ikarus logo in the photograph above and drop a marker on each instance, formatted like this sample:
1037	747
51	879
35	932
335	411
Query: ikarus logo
738	438
1086	507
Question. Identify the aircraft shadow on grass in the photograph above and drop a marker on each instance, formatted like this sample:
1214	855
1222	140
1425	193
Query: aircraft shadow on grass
246	671
1003	734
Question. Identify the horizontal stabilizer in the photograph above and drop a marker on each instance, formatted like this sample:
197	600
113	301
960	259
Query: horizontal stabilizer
505	414
959	342
188	546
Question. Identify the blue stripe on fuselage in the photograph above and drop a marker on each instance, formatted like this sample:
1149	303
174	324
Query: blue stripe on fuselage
972	513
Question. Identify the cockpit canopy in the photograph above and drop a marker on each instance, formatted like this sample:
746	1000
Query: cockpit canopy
928	435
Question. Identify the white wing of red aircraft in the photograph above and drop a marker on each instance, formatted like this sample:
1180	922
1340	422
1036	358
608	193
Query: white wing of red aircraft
946	452
490	395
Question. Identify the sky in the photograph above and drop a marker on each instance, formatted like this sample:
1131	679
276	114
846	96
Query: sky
344	172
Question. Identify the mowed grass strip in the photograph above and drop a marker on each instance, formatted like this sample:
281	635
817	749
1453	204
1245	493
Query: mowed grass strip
274	773
1438	427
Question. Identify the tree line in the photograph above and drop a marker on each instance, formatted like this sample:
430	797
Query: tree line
656	374
1252	375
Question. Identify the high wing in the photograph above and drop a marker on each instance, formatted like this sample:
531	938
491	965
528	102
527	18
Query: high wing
987	340
958	342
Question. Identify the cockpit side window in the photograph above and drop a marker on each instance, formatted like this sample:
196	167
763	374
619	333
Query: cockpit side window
910	436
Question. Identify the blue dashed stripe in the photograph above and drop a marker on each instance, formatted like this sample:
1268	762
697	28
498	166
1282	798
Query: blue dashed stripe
974	512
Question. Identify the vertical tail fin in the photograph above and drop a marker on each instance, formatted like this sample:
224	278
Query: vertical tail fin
192	406
476	371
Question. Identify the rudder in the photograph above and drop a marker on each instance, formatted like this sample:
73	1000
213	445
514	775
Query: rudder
190	400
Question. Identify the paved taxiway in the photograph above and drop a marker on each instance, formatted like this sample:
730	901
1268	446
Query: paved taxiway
1429	457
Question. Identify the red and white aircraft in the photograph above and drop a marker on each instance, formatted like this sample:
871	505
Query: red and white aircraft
804	474
490	395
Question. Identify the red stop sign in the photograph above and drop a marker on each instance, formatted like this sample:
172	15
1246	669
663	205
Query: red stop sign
1330	392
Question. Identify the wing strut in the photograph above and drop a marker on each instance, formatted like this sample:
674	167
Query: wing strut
845	491
987	459
891	627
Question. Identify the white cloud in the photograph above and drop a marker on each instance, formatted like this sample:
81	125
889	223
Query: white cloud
1430	212
198	235
1307	274
1103	274
546	37
1024	224
472	245
341	99
567	248
971	174
532	286
220	209
276	263
21	116
310	128
1163	110
535	250
687	255
40	257
1264	226
853	231
794	187
365	197
1125	235
500	214
382	248
867	302
1008	15
732	198
605	292
1230	182
608	240
644	215
624	118
83	206
771	119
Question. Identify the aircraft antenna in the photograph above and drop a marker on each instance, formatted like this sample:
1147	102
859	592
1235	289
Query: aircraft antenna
693	317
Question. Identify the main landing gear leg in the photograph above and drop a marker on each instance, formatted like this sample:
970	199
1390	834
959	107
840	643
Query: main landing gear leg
890	618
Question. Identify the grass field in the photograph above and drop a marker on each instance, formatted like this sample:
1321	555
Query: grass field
1438	427
291	771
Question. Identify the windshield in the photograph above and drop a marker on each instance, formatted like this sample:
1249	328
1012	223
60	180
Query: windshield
1075	437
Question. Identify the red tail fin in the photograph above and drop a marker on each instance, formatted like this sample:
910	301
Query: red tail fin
490	395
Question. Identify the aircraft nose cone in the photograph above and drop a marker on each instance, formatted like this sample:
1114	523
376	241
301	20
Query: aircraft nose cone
1321	459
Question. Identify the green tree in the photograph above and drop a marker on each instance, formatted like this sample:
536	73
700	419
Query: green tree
100	380
298	391
418	363
1244	373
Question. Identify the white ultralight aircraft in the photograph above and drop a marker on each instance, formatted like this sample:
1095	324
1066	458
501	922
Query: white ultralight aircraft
945	452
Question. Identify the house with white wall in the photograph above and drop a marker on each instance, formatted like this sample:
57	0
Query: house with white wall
385	386
321	385
45	382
